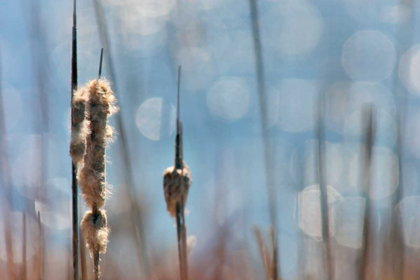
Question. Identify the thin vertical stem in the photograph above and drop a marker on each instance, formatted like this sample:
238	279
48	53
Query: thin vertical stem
265	257
96	213
182	246
179	236
100	63
24	266
324	191
264	125
181	228
83	256
40	263
366	174
96	264
74	189
178	140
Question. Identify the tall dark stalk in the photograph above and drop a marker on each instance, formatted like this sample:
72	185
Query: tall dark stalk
74	190
365	172
180	219
176	183
264	126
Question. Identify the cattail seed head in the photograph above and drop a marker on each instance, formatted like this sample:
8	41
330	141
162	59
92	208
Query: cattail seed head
95	230
176	183
79	126
100	104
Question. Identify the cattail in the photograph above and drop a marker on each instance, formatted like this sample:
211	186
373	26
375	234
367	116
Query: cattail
176	183
95	230
79	127
92	175
100	103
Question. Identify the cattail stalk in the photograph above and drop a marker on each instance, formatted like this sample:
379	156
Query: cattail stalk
83	266
74	78
100	103
176	183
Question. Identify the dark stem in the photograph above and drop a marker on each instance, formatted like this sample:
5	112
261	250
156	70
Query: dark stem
181	234
96	214
83	265
324	191
365	173
264	126
178	138
100	63
96	264
74	190
75	222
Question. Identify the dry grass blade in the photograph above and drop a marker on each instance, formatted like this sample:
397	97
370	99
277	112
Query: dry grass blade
265	256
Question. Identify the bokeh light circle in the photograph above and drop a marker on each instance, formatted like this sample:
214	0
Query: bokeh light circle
147	8
409	212
310	209
349	221
409	70
228	98
369	55
292	28
156	119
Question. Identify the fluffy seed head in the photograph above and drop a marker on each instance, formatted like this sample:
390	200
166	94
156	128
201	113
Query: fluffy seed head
95	230
79	126
100	104
176	183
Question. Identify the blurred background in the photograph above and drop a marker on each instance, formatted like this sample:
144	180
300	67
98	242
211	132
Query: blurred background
267	87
